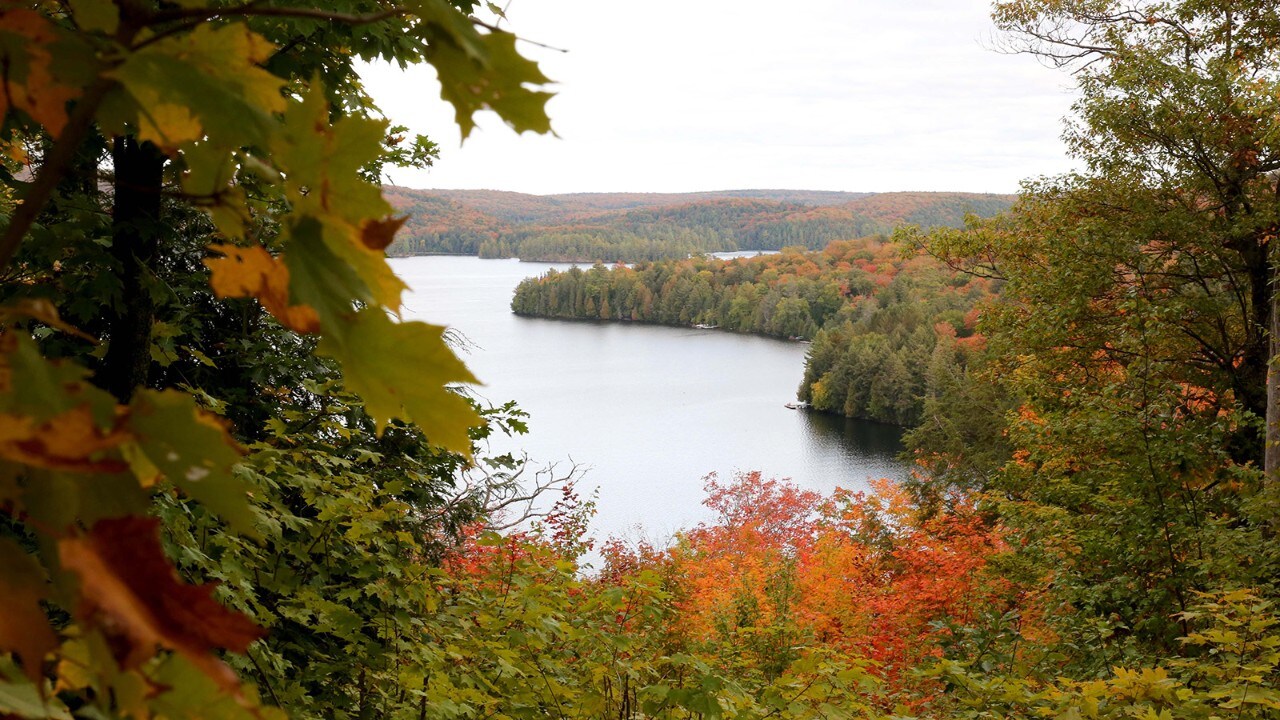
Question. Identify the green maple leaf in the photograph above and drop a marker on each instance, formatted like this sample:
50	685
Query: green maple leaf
192	450
41	388
322	161
495	83
483	71
331	199
400	370
319	278
330	271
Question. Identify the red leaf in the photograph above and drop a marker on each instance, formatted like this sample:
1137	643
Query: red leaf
130	592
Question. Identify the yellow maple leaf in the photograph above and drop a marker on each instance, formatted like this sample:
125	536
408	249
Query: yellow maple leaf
39	94
70	441
168	125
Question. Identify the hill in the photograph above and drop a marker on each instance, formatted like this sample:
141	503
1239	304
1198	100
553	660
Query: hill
631	227
523	208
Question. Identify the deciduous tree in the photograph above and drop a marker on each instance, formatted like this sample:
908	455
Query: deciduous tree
120	119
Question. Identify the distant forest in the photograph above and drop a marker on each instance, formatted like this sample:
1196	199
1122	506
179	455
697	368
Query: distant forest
635	227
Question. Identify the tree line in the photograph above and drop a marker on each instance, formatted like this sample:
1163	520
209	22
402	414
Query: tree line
671	231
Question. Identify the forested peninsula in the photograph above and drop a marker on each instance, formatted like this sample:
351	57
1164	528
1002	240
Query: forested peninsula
875	314
634	227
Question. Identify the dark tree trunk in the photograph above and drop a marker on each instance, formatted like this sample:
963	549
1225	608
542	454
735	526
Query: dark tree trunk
1251	377
1272	454
135	238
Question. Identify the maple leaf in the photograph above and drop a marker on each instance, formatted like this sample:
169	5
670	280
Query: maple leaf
190	447
333	206
380	283
26	39
253	272
69	441
322	161
204	83
482	71
378	234
24	628
41	389
130	593
400	371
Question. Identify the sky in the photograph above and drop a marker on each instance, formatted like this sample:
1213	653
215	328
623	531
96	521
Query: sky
666	96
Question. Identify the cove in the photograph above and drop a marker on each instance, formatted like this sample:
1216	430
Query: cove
647	410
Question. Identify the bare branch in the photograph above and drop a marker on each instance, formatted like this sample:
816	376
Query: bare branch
503	499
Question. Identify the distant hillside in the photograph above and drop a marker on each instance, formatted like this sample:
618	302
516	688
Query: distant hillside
440	225
521	208
927	209
630	227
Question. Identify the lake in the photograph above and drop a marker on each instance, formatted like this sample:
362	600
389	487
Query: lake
648	410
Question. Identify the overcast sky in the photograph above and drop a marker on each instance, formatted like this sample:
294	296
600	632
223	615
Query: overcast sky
667	96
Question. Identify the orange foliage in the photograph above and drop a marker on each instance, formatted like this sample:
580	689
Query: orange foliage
868	574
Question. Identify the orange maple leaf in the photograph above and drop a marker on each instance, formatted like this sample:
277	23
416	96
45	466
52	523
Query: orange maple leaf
378	234
253	272
39	94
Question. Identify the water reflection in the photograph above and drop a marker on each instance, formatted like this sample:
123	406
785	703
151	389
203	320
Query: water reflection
870	449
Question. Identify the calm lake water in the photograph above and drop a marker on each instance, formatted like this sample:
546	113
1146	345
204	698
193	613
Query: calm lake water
649	410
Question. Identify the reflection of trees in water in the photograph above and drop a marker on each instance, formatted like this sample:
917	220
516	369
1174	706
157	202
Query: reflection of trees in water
876	441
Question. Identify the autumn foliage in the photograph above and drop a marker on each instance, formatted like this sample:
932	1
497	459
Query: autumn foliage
782	571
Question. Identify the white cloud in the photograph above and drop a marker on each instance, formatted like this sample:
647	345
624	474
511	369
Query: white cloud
677	96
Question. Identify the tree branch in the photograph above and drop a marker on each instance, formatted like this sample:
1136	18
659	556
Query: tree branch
253	9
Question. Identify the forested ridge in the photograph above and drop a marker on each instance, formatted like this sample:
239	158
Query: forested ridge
629	227
235	483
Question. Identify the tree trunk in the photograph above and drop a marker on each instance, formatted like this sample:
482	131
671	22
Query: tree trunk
1271	456
135	238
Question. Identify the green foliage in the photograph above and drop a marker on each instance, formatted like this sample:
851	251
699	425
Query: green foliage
352	527
1234	673
1129	349
203	375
